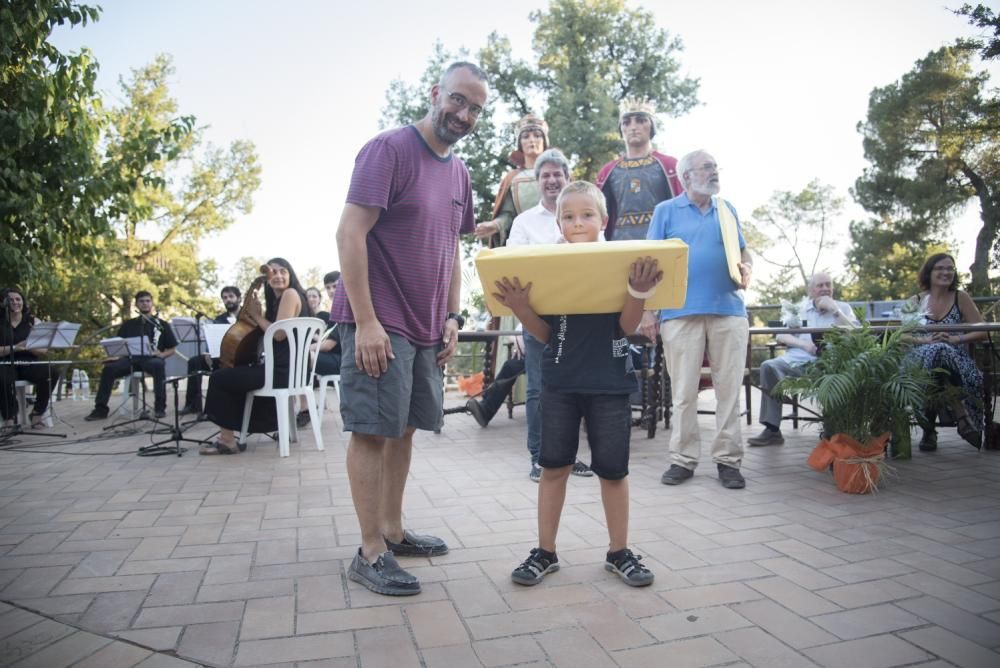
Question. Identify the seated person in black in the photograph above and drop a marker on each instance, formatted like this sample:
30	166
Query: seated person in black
202	363
16	322
161	345
227	388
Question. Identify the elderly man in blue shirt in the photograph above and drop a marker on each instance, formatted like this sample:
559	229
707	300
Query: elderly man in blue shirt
713	315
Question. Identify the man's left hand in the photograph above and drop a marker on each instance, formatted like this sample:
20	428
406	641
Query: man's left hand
746	269
449	339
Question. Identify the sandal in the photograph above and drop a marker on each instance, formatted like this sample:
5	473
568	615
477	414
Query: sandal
969	433
37	421
218	448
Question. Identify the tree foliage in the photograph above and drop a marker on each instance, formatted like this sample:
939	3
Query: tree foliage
794	233
588	57
932	139
983	17
51	193
884	258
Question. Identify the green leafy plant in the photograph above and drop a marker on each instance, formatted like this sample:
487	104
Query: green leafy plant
865	384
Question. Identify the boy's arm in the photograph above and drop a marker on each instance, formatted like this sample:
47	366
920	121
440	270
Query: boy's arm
514	296
644	275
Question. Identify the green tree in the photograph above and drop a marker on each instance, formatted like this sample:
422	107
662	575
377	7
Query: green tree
794	233
884	258
983	17
171	189
932	139
51	194
589	55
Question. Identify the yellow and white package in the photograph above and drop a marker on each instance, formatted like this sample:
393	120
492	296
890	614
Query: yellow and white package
583	278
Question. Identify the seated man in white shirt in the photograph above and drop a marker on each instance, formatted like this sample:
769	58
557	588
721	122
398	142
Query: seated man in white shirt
822	311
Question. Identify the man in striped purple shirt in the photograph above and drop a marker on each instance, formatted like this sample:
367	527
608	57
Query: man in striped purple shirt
410	199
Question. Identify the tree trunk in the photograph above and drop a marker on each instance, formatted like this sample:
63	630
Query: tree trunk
989	213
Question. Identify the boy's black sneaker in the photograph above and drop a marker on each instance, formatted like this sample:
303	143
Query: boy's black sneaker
629	568
581	469
536	473
538	564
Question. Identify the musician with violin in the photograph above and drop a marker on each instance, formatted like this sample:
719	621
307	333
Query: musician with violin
16	322
227	388
161	345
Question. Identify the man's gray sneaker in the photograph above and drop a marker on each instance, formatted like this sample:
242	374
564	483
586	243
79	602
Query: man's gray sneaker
413	545
676	474
767	437
730	477
538	564
581	469
535	474
384	576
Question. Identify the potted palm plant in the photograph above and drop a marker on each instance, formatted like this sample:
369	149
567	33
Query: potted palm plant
867	389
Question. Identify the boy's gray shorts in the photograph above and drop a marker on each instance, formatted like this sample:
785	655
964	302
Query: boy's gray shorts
409	393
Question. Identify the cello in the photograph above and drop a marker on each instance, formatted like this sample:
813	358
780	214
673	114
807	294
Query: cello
242	340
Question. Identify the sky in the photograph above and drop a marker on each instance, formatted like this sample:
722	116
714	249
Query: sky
784	84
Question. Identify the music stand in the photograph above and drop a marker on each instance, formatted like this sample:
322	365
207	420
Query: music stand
132	347
160	448
42	335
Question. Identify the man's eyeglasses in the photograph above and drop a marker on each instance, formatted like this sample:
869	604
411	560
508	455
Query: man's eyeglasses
461	102
707	167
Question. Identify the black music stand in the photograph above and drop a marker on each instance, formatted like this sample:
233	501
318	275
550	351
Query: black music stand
135	350
160	448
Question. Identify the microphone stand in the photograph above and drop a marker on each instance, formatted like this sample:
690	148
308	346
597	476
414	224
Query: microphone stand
160	448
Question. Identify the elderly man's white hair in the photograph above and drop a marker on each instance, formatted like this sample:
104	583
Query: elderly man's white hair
812	279
686	164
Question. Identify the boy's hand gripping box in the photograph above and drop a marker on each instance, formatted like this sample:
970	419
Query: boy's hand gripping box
583	278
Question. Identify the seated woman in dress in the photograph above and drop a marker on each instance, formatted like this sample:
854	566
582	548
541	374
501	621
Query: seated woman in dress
227	388
16	322
944	304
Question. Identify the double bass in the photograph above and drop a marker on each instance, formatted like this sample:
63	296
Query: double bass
242	340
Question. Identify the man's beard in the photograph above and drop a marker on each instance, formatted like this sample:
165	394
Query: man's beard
439	121
707	189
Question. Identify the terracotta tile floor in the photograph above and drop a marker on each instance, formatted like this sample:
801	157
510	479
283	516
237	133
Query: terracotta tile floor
108	559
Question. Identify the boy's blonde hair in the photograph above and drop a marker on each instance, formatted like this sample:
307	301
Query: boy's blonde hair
587	188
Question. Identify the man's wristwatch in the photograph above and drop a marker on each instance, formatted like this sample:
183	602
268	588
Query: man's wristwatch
457	317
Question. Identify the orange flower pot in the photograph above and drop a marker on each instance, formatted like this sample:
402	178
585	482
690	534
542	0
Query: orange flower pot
856	467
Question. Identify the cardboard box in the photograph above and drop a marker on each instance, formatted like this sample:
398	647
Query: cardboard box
583	278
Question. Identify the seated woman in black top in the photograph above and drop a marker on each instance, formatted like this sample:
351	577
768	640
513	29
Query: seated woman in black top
227	388
16	322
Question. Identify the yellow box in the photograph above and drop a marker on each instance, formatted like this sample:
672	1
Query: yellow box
583	277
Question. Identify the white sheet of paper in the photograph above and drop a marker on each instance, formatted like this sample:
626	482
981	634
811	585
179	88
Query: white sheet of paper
213	337
136	346
51	335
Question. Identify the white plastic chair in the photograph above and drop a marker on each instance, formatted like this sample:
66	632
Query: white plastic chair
299	333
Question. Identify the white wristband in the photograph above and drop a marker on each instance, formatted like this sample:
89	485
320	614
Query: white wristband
640	295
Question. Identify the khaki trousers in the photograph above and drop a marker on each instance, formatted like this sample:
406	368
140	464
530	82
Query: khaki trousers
684	341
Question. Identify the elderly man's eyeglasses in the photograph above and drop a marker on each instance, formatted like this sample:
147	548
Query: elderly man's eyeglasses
461	102
707	167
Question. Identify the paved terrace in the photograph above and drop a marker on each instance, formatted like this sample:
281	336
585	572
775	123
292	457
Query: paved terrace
108	559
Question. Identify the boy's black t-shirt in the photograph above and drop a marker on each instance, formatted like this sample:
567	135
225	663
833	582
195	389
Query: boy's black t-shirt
587	354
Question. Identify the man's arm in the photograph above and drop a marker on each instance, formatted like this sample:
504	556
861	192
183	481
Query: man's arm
746	267
793	341
372	350
449	333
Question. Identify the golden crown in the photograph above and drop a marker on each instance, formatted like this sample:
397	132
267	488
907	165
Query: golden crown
636	105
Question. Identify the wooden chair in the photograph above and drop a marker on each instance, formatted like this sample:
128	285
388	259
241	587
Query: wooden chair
299	333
